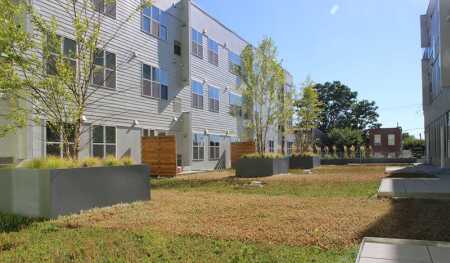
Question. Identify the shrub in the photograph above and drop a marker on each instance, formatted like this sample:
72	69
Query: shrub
49	163
90	162
263	156
60	163
305	154
110	161
127	161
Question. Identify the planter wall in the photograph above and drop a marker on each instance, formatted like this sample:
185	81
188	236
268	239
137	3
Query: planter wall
299	162
368	161
51	193
249	168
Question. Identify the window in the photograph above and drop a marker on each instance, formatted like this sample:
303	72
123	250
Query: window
177	48
197	43
213	52
148	133
61	46
54	143
235	104
271	146
214	147
106	7
154	22
234	61
155	82
377	139
290	147
198	147
103	141
213	98
105	69
391	139
197	95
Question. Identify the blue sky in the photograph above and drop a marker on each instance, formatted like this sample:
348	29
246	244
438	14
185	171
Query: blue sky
373	46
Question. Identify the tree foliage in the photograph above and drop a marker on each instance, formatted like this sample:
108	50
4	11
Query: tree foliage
347	137
267	101
307	109
341	108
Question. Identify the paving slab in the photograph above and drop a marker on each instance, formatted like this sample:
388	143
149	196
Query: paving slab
410	253
440	254
387	250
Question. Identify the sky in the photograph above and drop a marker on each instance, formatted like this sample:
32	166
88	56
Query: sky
372	46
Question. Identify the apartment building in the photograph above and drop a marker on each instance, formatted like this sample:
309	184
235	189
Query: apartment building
172	74
435	29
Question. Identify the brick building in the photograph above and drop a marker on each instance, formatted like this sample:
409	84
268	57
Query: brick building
386	142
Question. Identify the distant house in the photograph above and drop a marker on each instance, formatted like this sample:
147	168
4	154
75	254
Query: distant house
386	142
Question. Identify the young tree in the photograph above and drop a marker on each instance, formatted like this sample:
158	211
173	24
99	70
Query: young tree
267	103
307	109
55	83
14	43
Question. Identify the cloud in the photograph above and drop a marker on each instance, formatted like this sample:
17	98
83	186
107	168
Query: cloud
334	9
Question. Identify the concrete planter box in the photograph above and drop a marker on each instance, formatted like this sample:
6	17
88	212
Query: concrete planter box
368	161
301	162
250	168
56	192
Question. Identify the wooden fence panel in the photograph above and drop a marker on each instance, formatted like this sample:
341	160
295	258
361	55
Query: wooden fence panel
241	148
160	153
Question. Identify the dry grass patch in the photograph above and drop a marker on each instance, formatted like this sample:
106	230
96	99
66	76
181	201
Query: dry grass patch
327	223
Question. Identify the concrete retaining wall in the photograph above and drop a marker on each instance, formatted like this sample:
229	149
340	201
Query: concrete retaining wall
367	161
51	193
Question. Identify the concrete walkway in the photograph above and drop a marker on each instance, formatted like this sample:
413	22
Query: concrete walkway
383	250
417	188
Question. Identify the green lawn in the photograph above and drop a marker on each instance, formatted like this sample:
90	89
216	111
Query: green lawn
46	242
213	217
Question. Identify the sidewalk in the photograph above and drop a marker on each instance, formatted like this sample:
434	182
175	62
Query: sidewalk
417	188
384	250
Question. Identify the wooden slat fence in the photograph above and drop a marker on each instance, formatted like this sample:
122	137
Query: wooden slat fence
160	153
241	148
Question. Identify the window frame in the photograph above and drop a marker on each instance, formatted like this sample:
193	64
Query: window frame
391	139
60	143
177	48
290	147
200	145
104	143
231	63
235	109
375	141
213	103
214	150
61	49
197	48
213	52
105	70
104	8
161	22
195	95
163	85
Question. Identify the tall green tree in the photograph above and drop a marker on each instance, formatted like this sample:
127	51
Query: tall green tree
307	109
267	103
56	84
337	100
341	108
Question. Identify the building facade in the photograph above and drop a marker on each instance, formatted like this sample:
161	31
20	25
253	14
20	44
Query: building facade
386	142
172	73
435	38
